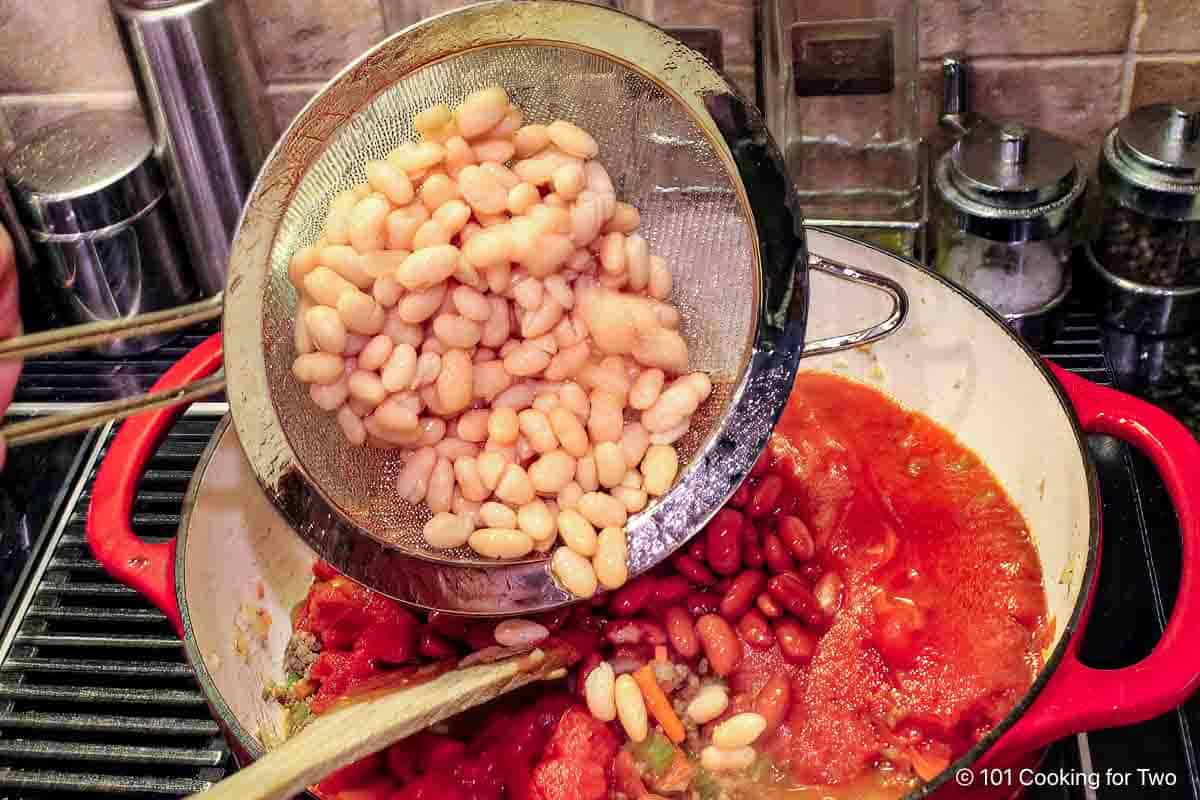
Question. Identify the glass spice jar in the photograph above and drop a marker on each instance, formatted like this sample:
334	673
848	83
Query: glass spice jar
1010	197
1145	247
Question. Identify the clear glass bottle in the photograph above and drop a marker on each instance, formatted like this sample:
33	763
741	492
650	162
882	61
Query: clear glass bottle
840	83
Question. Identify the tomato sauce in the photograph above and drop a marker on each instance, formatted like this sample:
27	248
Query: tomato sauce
943	616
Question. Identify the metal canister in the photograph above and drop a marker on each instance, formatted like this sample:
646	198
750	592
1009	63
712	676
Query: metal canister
1146	247
94	203
199	76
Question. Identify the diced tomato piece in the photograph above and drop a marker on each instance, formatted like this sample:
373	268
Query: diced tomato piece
338	673
360	773
479	779
391	642
562	779
431	786
402	761
444	755
322	571
581	736
379	789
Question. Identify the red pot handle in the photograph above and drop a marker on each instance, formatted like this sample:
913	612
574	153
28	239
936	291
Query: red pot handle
147	567
1077	697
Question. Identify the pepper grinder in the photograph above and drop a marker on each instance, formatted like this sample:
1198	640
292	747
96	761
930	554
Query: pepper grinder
1146	249
1010	197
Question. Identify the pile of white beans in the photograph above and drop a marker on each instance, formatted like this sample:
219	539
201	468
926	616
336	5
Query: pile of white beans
507	327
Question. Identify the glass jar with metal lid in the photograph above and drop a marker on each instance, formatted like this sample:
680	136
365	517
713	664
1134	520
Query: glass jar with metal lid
1010	195
105	240
1146	245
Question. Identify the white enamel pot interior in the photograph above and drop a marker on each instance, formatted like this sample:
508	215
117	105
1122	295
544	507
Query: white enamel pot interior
951	360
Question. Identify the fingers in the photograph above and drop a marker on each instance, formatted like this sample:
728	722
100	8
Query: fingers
10	300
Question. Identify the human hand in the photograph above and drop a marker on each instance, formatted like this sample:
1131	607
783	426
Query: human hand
10	324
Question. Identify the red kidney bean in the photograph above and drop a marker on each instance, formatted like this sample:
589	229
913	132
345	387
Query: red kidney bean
755	630
670	590
776	555
447	625
774	700
693	569
811	571
432	645
589	663
752	554
795	536
697	549
739	597
721	645
723	537
795	643
763	464
741	495
765	497
701	603
794	594
767	605
632	597
828	591
635	631
680	632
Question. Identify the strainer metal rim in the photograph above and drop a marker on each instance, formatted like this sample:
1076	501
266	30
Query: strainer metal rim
737	132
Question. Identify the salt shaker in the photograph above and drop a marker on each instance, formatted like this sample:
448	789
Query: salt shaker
105	239
1145	249
1010	197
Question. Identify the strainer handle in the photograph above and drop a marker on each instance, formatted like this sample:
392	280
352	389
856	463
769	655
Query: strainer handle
873	333
148	567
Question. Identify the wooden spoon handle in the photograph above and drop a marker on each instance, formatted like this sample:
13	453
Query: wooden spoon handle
345	734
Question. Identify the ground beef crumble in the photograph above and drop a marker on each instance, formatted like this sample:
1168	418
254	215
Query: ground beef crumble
301	652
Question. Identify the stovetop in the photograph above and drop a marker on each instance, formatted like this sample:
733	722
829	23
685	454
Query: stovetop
96	696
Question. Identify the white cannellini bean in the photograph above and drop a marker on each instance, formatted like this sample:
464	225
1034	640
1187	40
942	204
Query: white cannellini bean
326	287
400	368
438	190
515	397
577	532
585	473
337	220
660	278
326	328
526	360
552	471
447	530
568	180
530	140
573	397
473	425
395	416
602	510
635	440
662	348
493	514
537	520
611	559
387	292
329	396
482	190
427	268
471	303
520	633
572	139
432	118
466	473
569	496
482	110
646	388
625	219
708	704
634	500
612	254
514	487
491	464
459	154
415	157
503	425
413	481
376	353
605	421
522	197
495	150
715	759
610	464
453	215
631	708
454	381
354	344
535	426
346	261
323	368
739	731
599	692
431	234
429	366
464	508
671	435
574	572
387	178
432	431
360	313
569	431
441	486
659	467
508	179
352	426
367	223
500	543
457	331
550	253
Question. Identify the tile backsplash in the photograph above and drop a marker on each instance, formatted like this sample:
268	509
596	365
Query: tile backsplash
1070	66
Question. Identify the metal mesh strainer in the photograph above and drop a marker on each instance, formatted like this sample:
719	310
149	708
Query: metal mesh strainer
679	143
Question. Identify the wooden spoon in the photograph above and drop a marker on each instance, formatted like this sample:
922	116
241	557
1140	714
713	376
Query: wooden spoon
371	722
